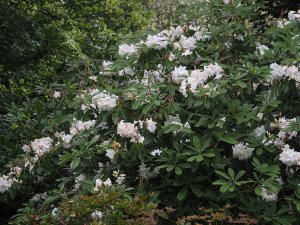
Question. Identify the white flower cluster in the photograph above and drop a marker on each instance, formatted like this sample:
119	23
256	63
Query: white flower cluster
65	138
241	151
100	183
127	50
199	78
101	100
283	123
268	196
146	173
289	156
129	130
6	181
163	38
157	41
179	74
79	126
120	177
41	146
39	197
294	16
152	76
279	72
78	180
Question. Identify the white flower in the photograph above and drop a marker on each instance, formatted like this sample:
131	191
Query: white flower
100	183
126	71
106	67
94	78
66	139
121	178
293	73
39	197
41	146
156	42
267	196
110	153
97	215
188	43
183	87
5	183
129	130
156	152
294	16
197	79
213	70
187	52
277	71
151	125
202	35
289	156
241	151
26	148
103	101
171	57
262	49
176	32
127	50
146	173
227	2
260	131
107	182
54	212
79	126
56	94
179	74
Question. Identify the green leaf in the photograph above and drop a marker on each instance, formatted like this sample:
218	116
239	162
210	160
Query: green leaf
196	142
178	170
182	193
225	187
75	163
222	174
231	173
196	190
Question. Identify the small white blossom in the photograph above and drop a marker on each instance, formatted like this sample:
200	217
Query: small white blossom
188	43
179	74
110	153
56	94
262	49
241	151
97	215
267	196
156	152
151	125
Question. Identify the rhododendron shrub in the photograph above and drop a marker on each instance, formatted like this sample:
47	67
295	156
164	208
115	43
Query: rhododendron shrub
207	116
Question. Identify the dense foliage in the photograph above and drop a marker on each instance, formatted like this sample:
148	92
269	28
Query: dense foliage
195	124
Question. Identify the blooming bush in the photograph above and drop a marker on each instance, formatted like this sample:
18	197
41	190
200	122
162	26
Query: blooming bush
207	116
